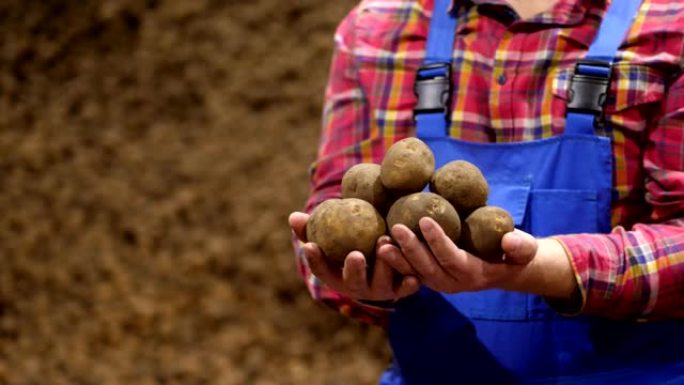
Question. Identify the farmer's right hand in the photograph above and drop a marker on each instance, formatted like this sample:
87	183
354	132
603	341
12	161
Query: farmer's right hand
352	280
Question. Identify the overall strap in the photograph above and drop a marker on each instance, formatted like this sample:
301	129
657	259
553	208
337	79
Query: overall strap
433	80
590	82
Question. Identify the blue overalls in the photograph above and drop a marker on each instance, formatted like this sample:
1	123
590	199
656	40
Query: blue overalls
551	186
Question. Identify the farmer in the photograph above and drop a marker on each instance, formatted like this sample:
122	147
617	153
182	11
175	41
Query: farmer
574	111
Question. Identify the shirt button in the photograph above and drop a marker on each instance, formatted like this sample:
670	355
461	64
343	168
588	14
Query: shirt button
501	79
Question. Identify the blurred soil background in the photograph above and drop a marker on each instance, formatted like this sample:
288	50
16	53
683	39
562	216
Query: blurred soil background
150	152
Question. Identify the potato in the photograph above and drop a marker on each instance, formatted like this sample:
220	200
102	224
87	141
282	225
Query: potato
409	209
462	184
340	226
483	230
408	166
362	181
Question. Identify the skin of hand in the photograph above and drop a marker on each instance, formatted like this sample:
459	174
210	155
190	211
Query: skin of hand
539	266
352	280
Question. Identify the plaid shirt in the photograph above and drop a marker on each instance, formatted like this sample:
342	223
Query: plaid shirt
510	81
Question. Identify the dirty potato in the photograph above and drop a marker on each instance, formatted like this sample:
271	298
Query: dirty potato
407	166
462	184
362	181
340	226
409	209
483	230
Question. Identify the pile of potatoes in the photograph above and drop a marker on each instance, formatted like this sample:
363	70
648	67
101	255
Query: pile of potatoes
376	197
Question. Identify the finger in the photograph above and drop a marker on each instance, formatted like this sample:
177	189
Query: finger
446	253
321	268
297	221
398	262
467	271
519	247
420	257
393	257
383	240
354	275
408	286
383	281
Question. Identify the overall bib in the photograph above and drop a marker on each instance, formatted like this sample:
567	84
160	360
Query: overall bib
559	185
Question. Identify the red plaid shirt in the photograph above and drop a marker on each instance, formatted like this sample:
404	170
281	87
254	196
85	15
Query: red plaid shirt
510	82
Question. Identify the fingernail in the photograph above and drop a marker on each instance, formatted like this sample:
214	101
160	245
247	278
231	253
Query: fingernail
355	260
426	225
384	239
398	234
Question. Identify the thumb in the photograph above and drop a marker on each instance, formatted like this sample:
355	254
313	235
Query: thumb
519	247
297	221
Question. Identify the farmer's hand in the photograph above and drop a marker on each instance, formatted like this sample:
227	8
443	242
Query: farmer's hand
352	280
444	267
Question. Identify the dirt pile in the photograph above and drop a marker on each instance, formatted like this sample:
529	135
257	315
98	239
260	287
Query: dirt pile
151	151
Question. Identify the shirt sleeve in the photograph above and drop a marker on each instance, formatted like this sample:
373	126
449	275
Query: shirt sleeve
346	139
639	273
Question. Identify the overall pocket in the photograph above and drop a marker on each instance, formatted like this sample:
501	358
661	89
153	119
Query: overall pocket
563	211
514	196
546	212
560	211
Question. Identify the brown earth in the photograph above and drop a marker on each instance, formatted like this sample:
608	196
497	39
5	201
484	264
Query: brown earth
150	154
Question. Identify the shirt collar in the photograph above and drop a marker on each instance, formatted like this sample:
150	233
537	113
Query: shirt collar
564	12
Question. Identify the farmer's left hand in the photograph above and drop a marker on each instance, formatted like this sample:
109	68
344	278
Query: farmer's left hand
444	267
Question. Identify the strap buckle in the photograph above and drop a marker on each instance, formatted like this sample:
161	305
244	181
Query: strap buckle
433	88
589	87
